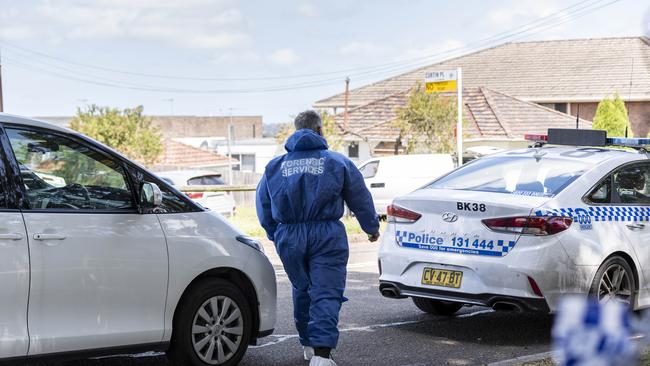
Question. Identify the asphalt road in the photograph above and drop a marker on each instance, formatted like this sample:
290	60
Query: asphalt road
380	331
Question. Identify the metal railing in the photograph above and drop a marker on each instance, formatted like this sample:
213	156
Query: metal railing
219	188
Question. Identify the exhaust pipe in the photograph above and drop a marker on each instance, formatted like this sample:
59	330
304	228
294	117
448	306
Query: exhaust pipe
391	292
507	306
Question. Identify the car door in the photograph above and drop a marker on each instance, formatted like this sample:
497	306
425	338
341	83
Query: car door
632	190
622	207
14	268
375	184
98	267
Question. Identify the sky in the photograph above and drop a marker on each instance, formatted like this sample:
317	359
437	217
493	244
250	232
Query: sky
269	58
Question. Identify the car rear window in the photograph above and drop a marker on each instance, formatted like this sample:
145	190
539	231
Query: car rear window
205	180
526	176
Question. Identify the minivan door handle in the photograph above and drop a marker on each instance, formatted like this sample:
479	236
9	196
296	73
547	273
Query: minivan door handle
377	185
635	227
49	237
10	236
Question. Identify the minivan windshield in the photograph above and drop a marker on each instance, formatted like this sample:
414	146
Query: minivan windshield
527	176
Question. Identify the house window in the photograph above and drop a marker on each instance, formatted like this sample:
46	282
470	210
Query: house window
246	162
561	107
353	150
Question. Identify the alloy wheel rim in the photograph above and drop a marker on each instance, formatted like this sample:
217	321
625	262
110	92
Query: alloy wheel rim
615	285
217	330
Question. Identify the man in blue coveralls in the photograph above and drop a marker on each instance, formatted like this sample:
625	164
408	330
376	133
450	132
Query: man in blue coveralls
299	203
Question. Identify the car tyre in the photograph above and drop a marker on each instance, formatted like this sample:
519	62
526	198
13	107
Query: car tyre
614	279
437	307
213	326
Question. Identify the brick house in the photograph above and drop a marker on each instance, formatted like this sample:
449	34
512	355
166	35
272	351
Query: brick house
565	75
245	127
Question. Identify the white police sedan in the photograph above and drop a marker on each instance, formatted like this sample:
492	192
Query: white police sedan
518	229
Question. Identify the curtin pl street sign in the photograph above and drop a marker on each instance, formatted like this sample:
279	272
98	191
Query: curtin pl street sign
441	81
449	81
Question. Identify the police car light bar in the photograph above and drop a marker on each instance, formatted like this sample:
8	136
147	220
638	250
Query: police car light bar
635	143
535	137
596	138
575	137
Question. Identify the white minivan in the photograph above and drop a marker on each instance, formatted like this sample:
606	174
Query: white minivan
394	176
102	257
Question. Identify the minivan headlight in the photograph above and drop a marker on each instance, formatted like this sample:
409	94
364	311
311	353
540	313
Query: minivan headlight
253	243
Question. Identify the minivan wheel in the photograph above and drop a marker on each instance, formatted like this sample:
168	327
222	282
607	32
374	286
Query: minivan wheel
437	307
614	281
213	326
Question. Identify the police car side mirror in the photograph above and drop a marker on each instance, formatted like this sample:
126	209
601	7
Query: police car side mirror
150	195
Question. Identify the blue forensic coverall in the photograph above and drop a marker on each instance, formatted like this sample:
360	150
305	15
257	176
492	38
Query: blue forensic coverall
299	203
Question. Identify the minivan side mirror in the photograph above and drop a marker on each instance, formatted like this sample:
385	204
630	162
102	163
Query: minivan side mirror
150	195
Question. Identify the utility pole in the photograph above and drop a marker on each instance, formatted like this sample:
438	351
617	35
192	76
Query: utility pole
171	104
2	108
345	108
229	153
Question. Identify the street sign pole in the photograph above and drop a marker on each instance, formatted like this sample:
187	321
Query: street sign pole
449	82
459	127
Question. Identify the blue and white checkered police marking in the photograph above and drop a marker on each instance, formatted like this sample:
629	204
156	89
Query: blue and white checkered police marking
588	333
457	244
600	214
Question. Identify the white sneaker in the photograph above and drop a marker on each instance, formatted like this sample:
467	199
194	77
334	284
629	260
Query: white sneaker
308	352
320	361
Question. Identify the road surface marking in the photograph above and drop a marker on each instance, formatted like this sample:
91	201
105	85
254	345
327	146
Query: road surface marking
368	328
281	272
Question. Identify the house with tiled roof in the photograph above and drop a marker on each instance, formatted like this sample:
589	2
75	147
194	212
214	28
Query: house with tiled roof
491	118
569	76
177	155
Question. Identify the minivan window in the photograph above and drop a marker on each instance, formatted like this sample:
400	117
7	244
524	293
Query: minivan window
369	170
61	174
525	176
3	186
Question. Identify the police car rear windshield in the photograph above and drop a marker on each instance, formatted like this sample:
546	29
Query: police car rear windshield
526	176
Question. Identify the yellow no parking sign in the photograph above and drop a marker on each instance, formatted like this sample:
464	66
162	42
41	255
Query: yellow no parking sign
449	82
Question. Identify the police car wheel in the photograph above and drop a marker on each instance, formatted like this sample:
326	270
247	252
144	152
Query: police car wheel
212	326
437	307
614	281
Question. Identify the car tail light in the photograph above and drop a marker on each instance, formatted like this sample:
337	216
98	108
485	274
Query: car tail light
195	195
529	225
400	214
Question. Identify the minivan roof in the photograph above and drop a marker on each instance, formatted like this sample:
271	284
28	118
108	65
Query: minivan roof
10	118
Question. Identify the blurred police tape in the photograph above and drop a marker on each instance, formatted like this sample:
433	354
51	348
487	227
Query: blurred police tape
588	333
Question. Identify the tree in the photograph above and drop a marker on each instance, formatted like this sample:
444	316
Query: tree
611	116
127	131
331	132
427	122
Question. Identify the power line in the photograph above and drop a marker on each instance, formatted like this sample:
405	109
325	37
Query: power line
497	36
526	30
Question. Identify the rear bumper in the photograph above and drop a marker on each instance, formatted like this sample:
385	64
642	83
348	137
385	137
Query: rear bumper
485	279
490	300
